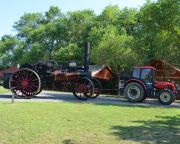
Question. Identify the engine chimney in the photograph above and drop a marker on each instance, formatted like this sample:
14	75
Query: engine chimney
86	57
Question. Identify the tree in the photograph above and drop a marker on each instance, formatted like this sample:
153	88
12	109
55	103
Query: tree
53	14
9	46
109	15
119	38
70	53
115	51
79	25
126	21
27	23
34	55
46	36
157	31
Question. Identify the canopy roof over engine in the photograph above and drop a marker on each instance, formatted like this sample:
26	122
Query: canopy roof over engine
104	73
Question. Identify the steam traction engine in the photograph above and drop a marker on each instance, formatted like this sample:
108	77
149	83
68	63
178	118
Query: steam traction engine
142	83
29	80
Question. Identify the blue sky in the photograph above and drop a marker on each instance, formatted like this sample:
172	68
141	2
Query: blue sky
11	10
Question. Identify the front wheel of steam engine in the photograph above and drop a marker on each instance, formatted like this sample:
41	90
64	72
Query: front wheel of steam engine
166	97
25	83
83	88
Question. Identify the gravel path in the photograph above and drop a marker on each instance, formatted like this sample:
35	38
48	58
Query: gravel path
49	96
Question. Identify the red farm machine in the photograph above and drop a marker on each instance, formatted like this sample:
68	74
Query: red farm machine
142	84
29	80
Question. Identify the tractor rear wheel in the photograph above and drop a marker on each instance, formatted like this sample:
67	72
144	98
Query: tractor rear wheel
25	83
166	97
134	92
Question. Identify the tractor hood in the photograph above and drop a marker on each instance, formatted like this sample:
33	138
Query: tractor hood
164	85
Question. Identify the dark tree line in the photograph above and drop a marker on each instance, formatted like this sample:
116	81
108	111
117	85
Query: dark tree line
120	38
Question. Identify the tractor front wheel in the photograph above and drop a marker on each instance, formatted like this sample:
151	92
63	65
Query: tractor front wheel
134	92
166	97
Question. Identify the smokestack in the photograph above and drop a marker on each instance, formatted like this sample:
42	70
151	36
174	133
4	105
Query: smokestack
86	57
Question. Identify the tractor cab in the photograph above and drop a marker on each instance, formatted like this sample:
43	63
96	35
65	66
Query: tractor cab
145	73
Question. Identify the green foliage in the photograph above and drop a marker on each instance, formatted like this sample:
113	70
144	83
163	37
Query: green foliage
36	53
8	50
27	23
157	34
109	15
79	24
70	53
126	22
115	51
53	14
119	38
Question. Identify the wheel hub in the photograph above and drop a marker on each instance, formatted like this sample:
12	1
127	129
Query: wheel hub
82	88
25	83
165	97
134	92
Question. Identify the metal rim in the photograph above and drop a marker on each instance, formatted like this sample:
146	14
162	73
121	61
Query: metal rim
83	88
134	92
165	97
97	88
24	83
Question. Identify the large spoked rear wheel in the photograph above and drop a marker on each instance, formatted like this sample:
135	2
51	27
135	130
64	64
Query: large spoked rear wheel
25	83
166	97
134	92
83	88
97	88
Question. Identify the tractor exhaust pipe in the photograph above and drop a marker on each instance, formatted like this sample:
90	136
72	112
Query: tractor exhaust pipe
86	57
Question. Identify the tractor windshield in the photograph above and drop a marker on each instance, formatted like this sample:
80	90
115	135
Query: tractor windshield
136	73
147	74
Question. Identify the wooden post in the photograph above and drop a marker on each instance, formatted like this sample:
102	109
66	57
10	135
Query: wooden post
12	99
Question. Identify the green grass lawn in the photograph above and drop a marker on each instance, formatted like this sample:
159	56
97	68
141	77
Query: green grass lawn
78	123
3	90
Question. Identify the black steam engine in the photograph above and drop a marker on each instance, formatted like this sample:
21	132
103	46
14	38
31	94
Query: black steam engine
29	80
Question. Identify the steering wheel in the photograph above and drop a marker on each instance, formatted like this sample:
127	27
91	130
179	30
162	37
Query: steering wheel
52	65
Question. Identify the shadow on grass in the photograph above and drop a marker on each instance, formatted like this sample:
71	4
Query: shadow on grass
68	141
164	130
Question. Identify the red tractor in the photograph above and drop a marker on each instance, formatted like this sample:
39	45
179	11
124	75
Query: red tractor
142	84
